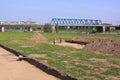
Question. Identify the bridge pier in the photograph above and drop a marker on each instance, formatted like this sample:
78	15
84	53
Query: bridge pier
2	29
68	27
53	29
107	28
30	29
112	28
104	29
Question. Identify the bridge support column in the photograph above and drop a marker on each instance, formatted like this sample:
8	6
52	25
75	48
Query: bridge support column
112	28
68	27
104	29
53	29
2	29
30	29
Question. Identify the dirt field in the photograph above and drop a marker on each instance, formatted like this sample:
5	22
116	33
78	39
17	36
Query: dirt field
109	46
10	69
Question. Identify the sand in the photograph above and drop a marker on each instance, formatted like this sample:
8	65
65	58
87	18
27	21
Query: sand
66	44
10	69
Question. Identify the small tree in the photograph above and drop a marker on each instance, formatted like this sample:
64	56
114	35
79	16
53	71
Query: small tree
47	28
56	28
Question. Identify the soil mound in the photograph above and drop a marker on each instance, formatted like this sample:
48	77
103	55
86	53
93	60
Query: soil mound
110	46
37	37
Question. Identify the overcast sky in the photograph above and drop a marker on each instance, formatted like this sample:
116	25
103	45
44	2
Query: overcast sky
43	11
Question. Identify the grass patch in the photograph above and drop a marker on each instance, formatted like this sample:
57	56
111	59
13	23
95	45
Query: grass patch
113	71
75	62
15	35
70	36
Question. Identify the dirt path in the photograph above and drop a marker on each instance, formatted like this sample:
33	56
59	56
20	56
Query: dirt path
10	69
77	46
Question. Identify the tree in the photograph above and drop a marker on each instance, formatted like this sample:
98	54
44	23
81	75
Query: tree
47	28
56	28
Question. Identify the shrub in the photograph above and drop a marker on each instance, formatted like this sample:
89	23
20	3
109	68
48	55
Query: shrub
47	28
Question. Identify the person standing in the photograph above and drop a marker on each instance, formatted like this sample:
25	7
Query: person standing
60	40
54	41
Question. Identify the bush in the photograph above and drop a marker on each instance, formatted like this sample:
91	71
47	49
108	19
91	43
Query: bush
47	28
56	28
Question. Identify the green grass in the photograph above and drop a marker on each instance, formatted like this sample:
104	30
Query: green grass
14	35
82	64
113	71
57	36
74	30
70	36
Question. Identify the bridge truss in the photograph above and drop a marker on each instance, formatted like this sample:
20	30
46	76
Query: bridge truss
62	21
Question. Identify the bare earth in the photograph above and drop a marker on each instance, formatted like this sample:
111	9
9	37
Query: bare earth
37	37
10	69
77	46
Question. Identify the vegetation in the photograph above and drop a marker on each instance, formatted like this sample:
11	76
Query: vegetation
47	28
70	35
82	64
56	28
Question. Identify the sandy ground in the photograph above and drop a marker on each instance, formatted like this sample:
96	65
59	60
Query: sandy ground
77	46
10	69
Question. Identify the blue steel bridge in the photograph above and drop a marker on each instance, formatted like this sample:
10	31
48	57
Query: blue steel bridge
69	23
75	22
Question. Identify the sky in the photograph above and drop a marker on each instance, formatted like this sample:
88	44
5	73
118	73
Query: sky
42	11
